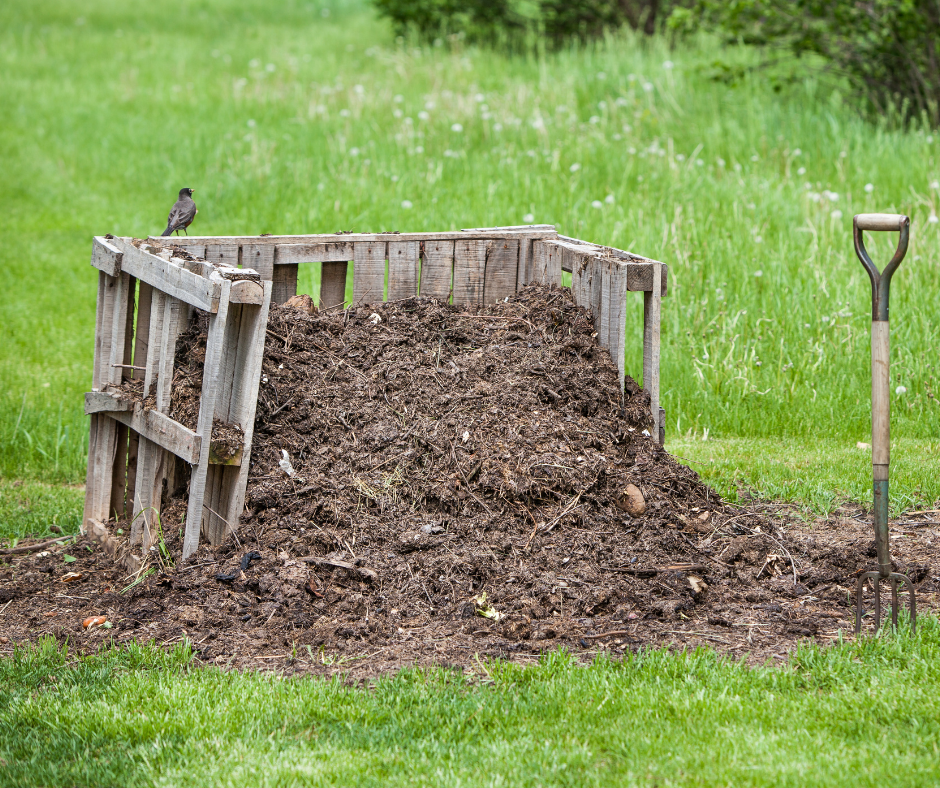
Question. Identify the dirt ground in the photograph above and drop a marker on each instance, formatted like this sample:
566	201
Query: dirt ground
432	484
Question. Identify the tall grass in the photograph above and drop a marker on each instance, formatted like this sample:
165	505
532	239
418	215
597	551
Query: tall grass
310	117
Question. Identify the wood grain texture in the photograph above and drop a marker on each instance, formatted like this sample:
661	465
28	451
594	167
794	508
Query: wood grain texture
167	276
197	482
333	284
546	263
437	269
227	252
651	327
259	257
332	252
284	284
240	240
616	321
369	273
880	394
502	269
469	271
402	269
105	256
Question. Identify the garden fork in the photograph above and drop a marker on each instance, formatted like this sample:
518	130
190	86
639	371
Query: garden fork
881	412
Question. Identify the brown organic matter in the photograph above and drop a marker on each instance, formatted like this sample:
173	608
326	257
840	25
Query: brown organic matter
440	454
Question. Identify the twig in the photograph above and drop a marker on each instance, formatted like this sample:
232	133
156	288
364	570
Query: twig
567	509
6	606
792	562
655	570
614	633
272	415
29	548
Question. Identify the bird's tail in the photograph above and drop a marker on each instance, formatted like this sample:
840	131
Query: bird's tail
167	231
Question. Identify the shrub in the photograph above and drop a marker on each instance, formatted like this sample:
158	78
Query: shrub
493	21
888	49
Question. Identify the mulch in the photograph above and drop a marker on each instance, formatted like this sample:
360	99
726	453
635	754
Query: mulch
432	484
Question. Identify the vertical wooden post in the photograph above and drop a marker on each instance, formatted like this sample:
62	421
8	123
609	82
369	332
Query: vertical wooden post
402	270
651	321
197	482
333	285
502	269
368	272
437	269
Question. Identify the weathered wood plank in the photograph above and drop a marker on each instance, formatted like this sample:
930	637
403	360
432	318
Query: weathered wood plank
284	284
469	271
168	277
196	250
502	269
437	268
242	407
119	473
260	257
516	228
603	324
218	251
333	284
207	400
616	341
151	424
369	273
331	252
651	328
546	263
240	240
402	269
105	256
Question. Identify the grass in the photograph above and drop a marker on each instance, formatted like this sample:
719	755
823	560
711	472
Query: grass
855	714
29	508
818	475
298	121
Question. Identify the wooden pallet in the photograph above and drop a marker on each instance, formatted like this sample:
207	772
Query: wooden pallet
475	266
145	299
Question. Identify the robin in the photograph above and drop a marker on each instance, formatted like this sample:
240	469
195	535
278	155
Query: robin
182	213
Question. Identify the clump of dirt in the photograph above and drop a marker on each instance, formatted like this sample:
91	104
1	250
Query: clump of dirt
430	481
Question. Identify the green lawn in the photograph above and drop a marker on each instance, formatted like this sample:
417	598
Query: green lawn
855	715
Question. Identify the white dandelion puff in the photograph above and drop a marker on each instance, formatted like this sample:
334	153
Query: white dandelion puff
407	205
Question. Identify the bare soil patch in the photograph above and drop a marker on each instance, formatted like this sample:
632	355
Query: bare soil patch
431	483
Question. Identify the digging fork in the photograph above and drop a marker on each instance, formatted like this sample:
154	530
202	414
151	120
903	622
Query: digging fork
881	412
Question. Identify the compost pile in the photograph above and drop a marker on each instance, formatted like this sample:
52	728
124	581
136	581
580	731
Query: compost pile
431	481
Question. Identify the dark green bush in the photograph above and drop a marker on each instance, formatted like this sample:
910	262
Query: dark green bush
496	21
887	49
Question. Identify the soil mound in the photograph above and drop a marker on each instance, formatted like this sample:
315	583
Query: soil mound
430	481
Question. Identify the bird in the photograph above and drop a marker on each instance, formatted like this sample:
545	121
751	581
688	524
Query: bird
182	213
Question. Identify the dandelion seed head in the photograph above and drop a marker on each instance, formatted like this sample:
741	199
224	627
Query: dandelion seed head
344	113
836	214
456	127
758	273
575	167
933	219
797	152
801	171
668	65
900	390
270	68
648	87
354	151
869	188
594	119
528	218
407	205
609	199
398	98
422	115
601	75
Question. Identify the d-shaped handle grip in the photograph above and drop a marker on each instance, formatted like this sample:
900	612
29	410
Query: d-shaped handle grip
880	221
881	282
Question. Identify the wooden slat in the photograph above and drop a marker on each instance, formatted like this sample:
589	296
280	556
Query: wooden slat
105	256
616	338
333	284
168	277
197	481
241	411
517	228
332	252
151	424
369	273
251	292
103	431
217	251
260	257
524	270
469	271
240	240
119	473
284	283
437	269
603	324
402	269
502	264
141	346
546	263
651	325
196	250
